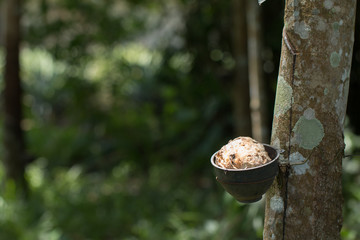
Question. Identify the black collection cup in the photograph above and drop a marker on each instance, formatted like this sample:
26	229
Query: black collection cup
248	185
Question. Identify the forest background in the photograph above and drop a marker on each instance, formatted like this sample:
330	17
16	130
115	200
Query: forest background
124	103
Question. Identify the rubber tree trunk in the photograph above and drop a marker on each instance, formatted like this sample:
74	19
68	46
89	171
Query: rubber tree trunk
241	95
260	130
14	147
305	201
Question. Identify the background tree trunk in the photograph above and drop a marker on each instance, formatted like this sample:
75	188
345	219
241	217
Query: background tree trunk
2	20
249	94
14	146
305	201
241	95
260	129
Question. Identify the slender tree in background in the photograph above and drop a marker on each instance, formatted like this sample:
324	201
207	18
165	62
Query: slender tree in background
305	201
248	91
14	146
241	96
260	130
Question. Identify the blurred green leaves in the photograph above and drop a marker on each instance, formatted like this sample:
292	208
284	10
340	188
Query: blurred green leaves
351	186
120	126
122	205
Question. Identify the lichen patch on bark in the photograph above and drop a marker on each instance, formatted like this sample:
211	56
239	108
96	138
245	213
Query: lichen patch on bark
336	26
343	89
345	75
283	97
326	91
328	4
302	29
335	58
321	25
309	132
296	157
277	204
309	113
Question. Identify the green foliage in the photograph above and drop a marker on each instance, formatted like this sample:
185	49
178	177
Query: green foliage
125	204
351	190
68	28
122	133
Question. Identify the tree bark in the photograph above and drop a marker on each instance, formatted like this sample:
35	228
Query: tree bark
241	95
14	146
305	201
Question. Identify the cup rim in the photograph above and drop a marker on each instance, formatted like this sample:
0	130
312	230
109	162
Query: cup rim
212	160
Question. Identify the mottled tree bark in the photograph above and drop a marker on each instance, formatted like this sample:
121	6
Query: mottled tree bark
14	147
241	96
305	201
